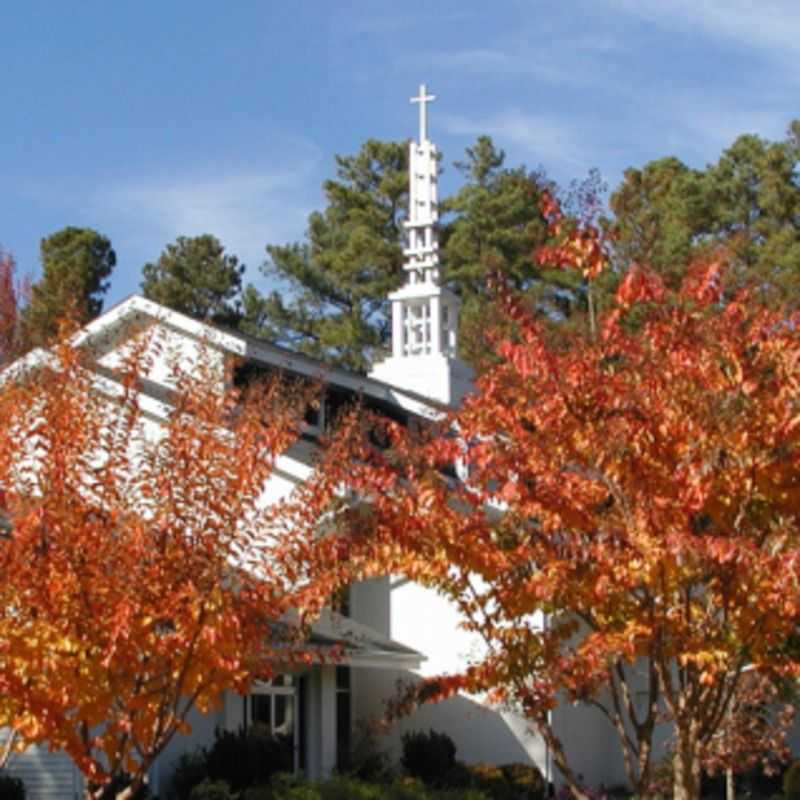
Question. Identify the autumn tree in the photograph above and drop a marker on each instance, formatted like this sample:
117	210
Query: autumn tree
628	523
14	294
141	574
196	277
76	265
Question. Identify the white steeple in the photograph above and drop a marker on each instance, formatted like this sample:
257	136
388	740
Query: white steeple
424	314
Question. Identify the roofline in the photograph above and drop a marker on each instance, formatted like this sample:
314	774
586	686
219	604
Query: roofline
252	348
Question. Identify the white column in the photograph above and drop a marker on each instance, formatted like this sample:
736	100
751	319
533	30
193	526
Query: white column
397	328
436	325
327	720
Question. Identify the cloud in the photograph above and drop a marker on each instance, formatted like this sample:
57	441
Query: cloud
548	138
772	26
499	63
245	207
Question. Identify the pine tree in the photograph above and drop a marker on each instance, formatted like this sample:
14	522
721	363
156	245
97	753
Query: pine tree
334	284
492	224
748	202
196	277
76	264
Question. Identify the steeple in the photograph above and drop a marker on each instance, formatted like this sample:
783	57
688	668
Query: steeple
424	314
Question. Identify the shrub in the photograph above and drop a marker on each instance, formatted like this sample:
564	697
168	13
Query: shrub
526	779
791	782
248	757
212	790
428	756
284	786
11	788
189	771
366	761
346	788
490	779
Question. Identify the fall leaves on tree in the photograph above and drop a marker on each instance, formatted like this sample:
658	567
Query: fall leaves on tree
142	574
627	533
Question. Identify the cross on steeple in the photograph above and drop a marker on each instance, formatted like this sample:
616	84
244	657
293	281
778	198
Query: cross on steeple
424	313
423	99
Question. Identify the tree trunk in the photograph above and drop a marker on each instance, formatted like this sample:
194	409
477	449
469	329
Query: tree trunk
730	785
686	781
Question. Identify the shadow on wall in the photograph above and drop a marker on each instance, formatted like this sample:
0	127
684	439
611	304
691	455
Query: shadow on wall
480	733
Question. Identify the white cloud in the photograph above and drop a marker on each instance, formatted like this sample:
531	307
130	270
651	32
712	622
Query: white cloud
245	207
548	139
772	26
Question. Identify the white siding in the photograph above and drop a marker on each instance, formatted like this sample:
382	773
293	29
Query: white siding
46	775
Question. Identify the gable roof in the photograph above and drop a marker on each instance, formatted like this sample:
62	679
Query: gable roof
251	349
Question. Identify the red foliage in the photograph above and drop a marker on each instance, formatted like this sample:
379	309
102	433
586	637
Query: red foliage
639	492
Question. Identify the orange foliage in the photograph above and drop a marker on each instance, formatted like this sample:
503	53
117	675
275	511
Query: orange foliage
13	296
140	575
638	492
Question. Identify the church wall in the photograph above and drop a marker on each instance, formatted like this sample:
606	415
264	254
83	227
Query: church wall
427	622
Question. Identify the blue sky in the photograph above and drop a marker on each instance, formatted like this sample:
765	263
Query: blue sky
151	120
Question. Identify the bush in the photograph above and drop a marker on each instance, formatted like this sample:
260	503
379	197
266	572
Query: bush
212	790
526	779
242	760
490	779
189	771
791	782
284	786
366	761
428	756
11	788
346	788
248	758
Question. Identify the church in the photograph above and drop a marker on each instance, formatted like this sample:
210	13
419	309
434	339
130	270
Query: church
391	629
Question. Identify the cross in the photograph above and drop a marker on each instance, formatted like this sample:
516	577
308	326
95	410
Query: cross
423	115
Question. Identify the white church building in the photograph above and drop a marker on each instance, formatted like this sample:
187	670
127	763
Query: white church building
393	629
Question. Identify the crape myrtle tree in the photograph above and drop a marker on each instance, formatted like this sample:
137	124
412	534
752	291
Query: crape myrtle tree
14	294
196	277
141	575
637	488
76	265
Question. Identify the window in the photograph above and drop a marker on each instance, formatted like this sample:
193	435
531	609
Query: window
275	707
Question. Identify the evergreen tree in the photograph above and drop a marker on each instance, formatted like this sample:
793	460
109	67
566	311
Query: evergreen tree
749	202
76	264
196	277
493	224
661	212
336	282
339	278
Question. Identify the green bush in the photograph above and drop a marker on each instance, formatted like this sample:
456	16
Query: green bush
366	761
791	782
212	790
189	771
526	779
284	786
248	758
489	778
11	788
347	788
428	756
